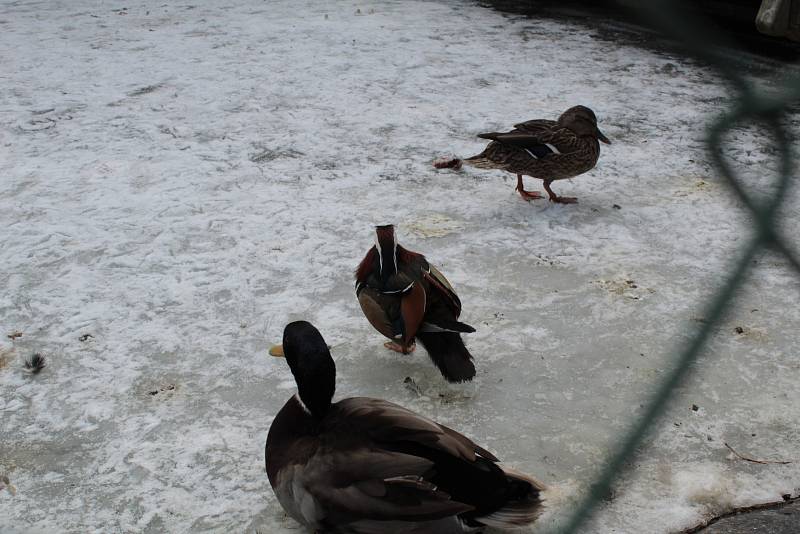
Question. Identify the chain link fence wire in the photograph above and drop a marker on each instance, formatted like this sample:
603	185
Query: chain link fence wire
750	105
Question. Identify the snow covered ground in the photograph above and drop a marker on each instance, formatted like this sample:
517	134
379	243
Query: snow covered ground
179	181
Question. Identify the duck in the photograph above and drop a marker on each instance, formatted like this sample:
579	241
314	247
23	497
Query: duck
541	148
368	466
405	298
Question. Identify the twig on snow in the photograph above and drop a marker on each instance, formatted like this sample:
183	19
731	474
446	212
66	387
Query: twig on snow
748	459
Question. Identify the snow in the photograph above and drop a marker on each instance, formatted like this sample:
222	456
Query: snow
180	181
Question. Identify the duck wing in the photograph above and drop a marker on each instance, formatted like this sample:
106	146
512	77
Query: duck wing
382	311
365	467
355	484
442	286
411	465
384	421
539	137
536	126
397	310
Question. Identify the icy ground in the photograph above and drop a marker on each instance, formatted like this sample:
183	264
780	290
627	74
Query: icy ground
179	181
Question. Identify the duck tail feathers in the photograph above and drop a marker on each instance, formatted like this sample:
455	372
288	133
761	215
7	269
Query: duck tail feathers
463	327
482	162
479	161
448	352
524	506
447	326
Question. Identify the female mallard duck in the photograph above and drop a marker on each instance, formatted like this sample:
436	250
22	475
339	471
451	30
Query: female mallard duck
367	466
404	297
544	149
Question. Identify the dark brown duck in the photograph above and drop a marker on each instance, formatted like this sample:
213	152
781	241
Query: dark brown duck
543	149
367	466
406	298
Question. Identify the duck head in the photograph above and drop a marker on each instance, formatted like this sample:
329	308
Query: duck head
583	122
386	245
311	363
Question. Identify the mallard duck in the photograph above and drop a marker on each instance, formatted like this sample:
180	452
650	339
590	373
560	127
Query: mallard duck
544	149
406	298
368	466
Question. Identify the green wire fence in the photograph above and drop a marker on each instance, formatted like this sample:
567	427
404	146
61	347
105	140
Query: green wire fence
748	105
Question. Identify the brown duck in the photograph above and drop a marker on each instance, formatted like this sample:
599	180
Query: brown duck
406	298
368	466
544	149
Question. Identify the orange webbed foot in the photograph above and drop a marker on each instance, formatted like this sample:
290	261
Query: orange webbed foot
391	345
529	195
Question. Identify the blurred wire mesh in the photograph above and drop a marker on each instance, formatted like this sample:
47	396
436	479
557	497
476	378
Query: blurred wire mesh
753	106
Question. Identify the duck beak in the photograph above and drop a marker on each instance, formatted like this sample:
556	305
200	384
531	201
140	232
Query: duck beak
602	137
11	489
277	351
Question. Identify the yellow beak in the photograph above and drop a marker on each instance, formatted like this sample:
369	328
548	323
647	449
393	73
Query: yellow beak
277	351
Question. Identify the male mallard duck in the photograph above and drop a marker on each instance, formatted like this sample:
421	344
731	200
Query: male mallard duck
404	297
544	149
367	466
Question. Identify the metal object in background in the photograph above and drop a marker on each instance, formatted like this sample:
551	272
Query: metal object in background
780	18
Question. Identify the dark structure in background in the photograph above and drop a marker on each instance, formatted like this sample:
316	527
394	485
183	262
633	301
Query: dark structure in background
778	20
